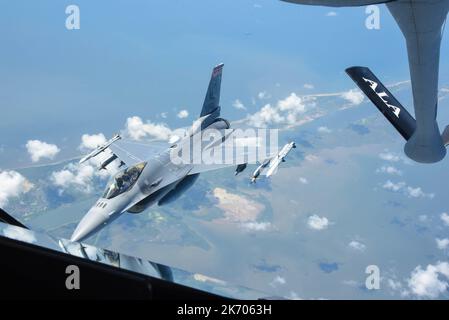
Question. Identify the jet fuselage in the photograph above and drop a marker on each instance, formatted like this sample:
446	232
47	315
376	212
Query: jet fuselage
144	189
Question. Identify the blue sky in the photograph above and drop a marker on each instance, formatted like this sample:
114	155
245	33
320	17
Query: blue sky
147	57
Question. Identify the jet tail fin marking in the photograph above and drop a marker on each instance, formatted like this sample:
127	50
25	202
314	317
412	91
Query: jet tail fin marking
387	104
212	99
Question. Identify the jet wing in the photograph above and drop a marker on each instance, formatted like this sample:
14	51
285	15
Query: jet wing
200	168
132	152
219	154
251	156
338	3
126	151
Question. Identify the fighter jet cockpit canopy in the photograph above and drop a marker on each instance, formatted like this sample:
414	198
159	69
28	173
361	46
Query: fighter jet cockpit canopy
123	180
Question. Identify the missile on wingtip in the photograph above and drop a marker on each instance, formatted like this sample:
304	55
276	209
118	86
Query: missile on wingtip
101	148
259	170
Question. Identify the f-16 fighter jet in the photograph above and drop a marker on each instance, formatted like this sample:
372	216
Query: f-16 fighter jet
162	177
422	23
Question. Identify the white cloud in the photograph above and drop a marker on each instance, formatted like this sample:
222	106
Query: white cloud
265	116
409	191
92	141
137	129
397	286
426	283
445	218
256	226
356	245
62	178
80	176
394	284
263	95
290	111
324	130
354	97
238	105
389	185
12	184
183	114
20	234
317	223
292	102
164	115
303	180
331	14
389	170
278	280
309	86
39	149
293	296
312	158
418	193
388	156
442	243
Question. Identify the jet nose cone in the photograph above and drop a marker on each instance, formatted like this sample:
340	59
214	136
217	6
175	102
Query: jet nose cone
94	220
